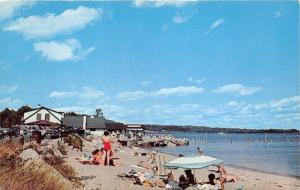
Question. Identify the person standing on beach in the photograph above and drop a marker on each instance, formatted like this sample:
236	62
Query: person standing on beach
106	146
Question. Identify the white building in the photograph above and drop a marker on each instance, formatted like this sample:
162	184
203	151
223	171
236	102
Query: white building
135	128
42	114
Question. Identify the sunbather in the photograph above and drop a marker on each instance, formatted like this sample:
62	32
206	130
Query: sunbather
227	178
97	157
170	181
211	178
221	170
168	178
190	178
182	182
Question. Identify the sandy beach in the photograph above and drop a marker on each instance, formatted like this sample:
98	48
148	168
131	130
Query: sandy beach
105	178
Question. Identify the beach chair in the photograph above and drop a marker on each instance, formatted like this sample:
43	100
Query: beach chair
161	170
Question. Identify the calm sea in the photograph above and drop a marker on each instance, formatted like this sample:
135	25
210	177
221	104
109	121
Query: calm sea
273	153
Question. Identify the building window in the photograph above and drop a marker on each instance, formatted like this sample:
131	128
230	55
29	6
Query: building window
47	117
38	116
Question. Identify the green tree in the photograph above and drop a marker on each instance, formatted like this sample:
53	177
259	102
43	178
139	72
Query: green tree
8	118
99	113
71	114
21	112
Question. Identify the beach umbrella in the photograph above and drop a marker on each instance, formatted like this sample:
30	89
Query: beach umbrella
192	162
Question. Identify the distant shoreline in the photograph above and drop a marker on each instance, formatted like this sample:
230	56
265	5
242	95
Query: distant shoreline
204	129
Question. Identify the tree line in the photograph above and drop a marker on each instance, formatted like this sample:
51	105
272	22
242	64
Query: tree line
10	117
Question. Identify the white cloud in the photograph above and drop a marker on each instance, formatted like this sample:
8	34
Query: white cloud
237	89
85	93
160	3
179	18
130	96
180	91
146	82
69	50
50	24
91	93
232	103
8	89
215	24
295	100
173	91
77	109
8	8
62	94
119	113
9	101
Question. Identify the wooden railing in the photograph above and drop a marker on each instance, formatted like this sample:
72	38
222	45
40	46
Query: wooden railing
66	134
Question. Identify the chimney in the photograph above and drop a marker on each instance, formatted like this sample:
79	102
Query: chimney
84	122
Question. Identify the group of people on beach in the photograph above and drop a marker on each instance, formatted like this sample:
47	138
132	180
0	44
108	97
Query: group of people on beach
189	179
102	155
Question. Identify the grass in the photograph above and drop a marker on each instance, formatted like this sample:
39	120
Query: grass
51	173
62	148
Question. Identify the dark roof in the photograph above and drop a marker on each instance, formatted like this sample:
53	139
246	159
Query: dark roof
42	107
112	125
73	121
95	123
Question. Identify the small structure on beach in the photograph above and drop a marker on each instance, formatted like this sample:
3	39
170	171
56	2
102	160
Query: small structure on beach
135	128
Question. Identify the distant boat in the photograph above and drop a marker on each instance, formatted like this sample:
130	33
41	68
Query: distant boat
221	133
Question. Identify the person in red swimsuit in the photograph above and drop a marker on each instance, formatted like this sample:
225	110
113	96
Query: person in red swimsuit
106	146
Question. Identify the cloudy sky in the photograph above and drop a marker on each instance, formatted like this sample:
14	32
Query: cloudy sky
219	64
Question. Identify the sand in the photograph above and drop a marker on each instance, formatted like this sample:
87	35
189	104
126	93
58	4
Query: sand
105	178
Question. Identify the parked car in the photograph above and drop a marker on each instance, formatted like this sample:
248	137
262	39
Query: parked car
1	134
52	133
9	132
80	131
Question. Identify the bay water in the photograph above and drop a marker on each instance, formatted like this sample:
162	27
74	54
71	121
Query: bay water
271	153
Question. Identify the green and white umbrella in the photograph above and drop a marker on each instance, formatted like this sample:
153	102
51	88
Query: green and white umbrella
192	162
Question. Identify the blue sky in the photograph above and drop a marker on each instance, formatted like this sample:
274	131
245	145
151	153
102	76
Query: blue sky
219	64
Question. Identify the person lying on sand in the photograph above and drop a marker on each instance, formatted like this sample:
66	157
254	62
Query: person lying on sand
221	170
97	157
227	178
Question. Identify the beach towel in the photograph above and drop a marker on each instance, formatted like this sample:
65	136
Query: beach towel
207	187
